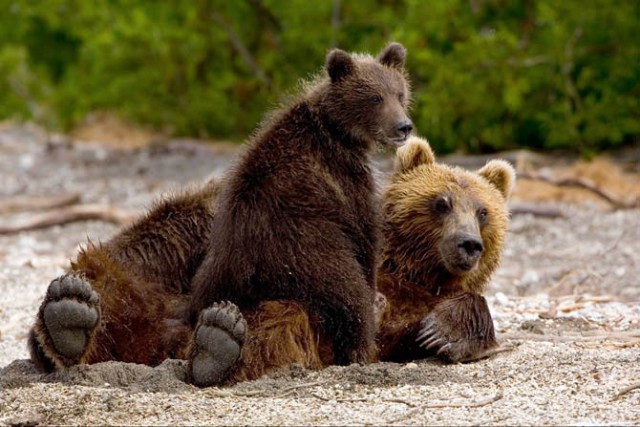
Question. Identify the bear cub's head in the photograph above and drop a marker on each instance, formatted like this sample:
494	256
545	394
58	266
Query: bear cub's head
369	97
445	226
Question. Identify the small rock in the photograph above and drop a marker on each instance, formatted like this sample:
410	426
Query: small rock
26	161
410	365
620	271
502	298
530	277
27	420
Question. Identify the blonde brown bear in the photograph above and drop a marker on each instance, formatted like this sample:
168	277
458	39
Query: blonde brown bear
444	232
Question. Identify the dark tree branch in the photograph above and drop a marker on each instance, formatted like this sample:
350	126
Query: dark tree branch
241	49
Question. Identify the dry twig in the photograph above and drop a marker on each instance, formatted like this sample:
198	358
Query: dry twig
31	203
536	210
290	390
404	402
326	399
484	402
587	336
565	304
222	393
213	392
317	396
580	183
69	214
626	390
491	352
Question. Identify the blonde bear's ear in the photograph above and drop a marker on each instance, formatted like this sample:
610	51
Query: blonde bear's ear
415	152
501	174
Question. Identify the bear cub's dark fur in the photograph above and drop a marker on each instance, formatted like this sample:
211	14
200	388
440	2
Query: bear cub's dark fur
297	218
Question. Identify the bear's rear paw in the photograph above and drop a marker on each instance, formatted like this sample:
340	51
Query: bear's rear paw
69	314
459	329
218	340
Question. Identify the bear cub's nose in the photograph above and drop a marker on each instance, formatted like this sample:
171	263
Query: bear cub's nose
471	247
405	128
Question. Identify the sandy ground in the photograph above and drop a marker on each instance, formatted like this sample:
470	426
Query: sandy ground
566	301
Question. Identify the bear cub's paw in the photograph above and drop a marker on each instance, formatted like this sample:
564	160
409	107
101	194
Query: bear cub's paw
70	313
459	329
218	341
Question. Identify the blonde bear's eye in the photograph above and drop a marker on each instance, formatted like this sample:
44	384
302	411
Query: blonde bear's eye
442	205
483	214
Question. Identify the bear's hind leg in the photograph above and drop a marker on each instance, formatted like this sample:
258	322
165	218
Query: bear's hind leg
217	343
67	321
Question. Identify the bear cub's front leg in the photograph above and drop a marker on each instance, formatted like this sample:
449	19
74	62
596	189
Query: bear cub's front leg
459	329
66	323
217	343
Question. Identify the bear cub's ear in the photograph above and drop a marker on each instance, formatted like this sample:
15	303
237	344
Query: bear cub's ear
339	65
393	55
415	152
501	174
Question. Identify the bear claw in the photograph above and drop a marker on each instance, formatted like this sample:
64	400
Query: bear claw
218	340
69	314
71	285
459	329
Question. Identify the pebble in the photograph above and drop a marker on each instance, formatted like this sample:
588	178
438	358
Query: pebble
501	298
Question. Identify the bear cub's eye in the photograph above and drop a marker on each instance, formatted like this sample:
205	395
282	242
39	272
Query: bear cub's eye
376	99
442	205
483	214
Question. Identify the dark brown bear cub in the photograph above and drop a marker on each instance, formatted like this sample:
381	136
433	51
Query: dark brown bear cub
296	219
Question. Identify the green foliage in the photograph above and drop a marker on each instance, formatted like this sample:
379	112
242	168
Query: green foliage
487	74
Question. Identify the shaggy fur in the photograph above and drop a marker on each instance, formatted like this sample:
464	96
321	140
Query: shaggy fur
136	328
292	233
297	217
141	276
432	305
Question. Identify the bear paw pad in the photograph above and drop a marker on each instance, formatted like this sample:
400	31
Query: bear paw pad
218	340
70	313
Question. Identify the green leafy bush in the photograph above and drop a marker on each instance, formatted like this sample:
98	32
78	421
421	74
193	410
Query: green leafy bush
487	74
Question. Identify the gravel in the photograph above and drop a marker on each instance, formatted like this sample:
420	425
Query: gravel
565	304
